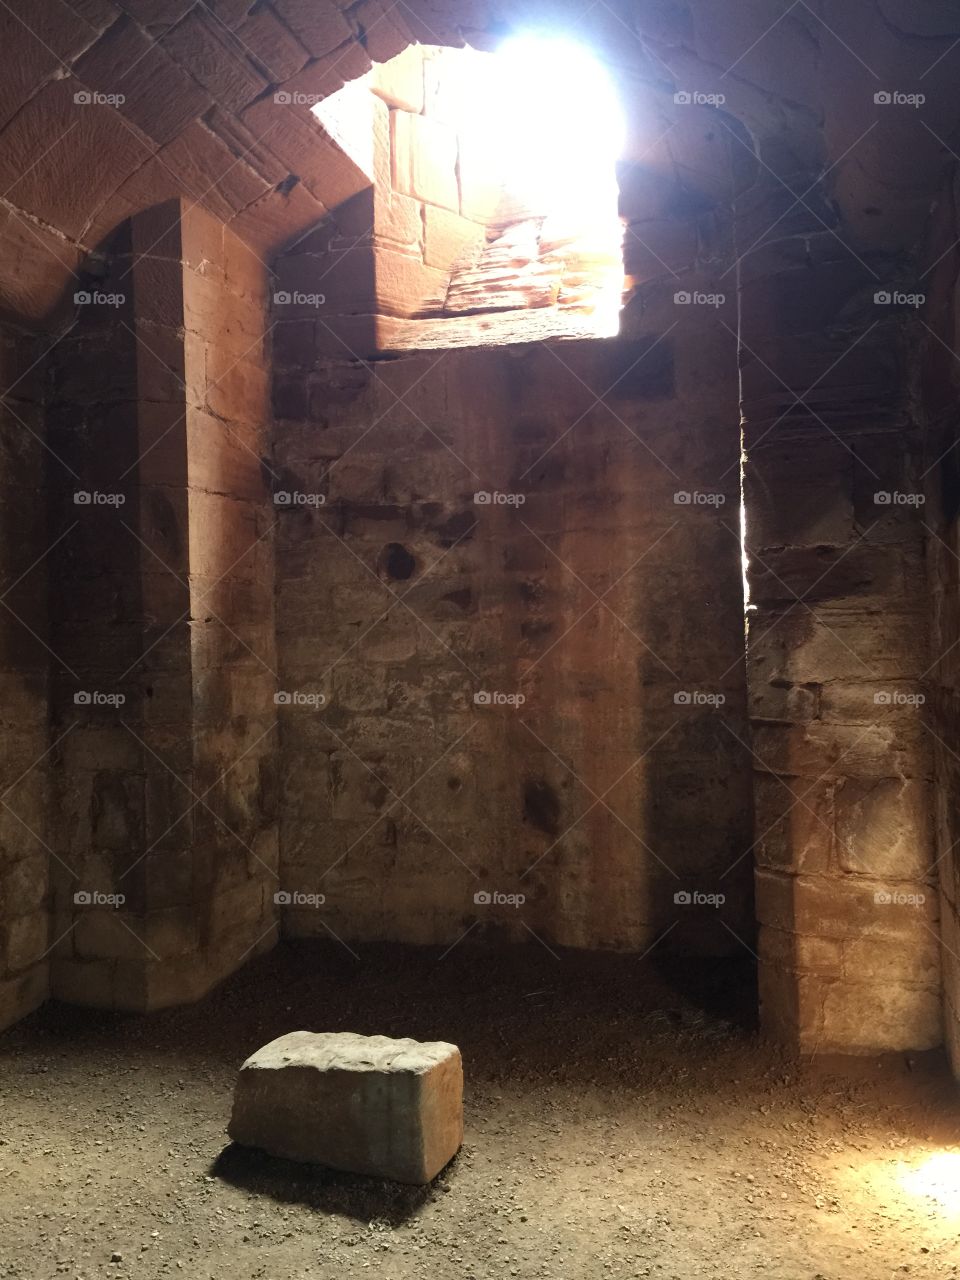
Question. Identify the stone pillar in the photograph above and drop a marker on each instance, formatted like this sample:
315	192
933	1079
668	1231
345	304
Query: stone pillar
24	766
164	695
837	651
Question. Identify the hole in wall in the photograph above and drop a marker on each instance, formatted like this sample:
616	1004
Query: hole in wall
397	562
541	806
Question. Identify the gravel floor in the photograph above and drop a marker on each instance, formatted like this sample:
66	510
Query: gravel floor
619	1122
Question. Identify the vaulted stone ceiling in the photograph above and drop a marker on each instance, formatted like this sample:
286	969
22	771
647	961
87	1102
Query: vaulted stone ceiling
109	106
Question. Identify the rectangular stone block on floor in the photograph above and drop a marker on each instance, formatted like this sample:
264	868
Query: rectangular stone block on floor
363	1104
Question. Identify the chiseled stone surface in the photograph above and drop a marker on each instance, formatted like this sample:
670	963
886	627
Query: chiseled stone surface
364	1104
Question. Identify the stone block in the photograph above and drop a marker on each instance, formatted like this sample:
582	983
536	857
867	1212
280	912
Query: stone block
300	142
324	76
868	1017
799	494
26	941
83	982
207	170
270	222
274	47
318	28
657	248
399	82
345	281
364	1104
159	97
155	14
404	286
75	178
58	35
22	994
448	237
424	157
108	935
884	827
200	45
794	824
385	33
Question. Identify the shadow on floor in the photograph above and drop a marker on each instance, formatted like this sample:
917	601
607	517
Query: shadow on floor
324	1190
515	1012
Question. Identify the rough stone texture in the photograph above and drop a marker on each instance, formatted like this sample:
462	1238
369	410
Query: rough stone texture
364	1104
401	599
837	653
180	66
164	393
165	847
25	825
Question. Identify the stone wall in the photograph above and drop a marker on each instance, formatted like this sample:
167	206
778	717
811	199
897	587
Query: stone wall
387	250
232	626
160	397
940	381
621	780
837	643
510	627
25	827
163	710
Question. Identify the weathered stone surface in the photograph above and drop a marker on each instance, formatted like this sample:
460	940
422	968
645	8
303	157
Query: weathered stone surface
424	159
848	789
364	1104
399	82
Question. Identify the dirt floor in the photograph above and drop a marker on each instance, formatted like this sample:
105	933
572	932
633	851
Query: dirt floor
617	1124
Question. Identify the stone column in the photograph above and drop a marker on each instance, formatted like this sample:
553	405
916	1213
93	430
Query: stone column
837	650
165	858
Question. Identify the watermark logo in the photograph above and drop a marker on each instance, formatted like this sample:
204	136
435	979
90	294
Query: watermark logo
293	498
297	698
694	898
95	698
94	898
897	298
95	298
693	98
294	898
694	298
93	498
895	98
494	698
698	698
896	698
494	898
885	498
686	498
897	898
283	298
286	98
91	98
497	499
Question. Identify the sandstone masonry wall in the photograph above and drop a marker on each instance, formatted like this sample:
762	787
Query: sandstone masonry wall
422	614
163	713
25	827
838	641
